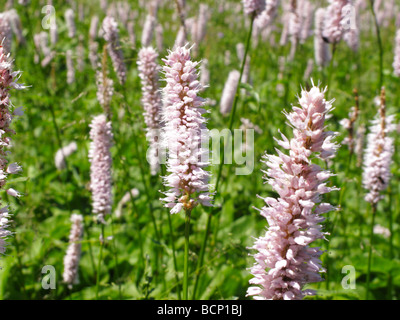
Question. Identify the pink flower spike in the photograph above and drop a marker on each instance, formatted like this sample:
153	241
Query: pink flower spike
151	101
182	134
100	166
285	261
72	257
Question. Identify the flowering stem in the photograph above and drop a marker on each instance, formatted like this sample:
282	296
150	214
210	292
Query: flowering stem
379	40
115	258
186	259
232	115
222	160
99	263
172	238
371	235
334	45
201	257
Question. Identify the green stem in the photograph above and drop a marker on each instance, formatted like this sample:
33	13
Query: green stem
222	159
379	40
115	252
201	257
371	238
99	263
172	239
334	46
186	258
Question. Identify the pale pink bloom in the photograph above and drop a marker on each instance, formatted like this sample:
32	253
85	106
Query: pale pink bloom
16	25
309	69
100	166
159	37
348	124
396	61
183	133
240	51
151	101
378	157
305	11
63	153
227	57
378	229
69	19
335	21
70	67
229	92
8	80
180	38
14	193
267	16
4	232
131	33
124	200
148	30
285	259
322	51
111	35
93	55
359	143
202	22
54	34
44	43
204	73
45	62
94	26
14	168
105	90
255	7
5	32
73	255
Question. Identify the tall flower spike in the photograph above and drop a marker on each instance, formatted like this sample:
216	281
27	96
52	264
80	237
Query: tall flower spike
151	101
285	261
110	28
73	255
378	154
100	168
8	81
183	132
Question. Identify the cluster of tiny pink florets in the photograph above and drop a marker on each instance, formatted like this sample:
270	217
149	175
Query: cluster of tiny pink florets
285	261
8	80
151	101
100	168
184	127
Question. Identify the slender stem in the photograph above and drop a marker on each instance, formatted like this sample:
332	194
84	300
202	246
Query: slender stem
99	263
379	40
391	256
172	239
371	238
232	115
222	160
174	255
201	257
334	46
115	258
186	258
